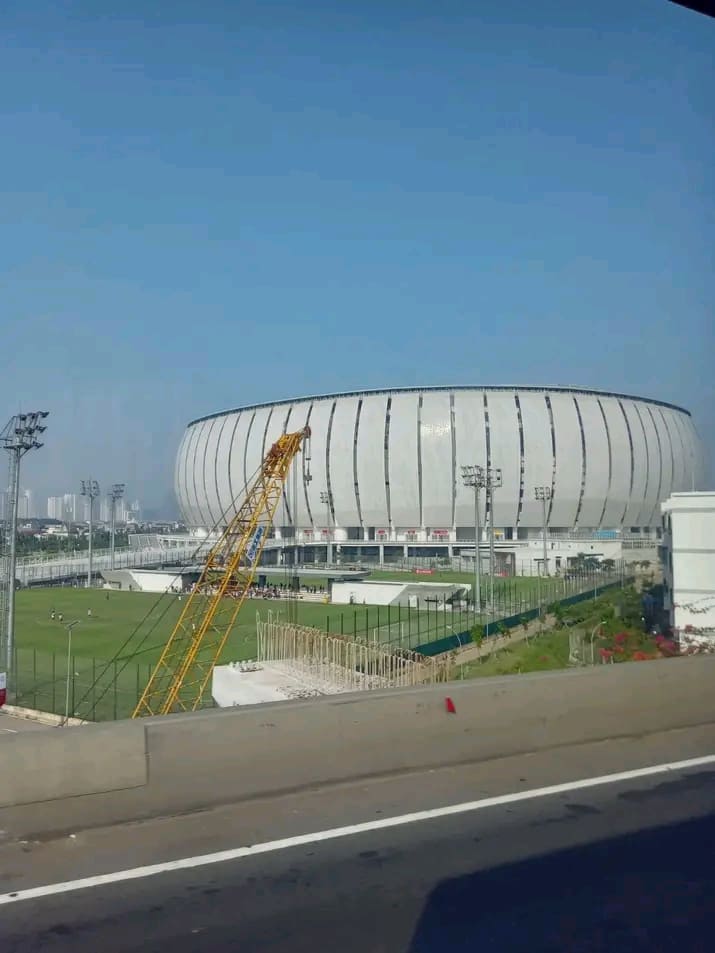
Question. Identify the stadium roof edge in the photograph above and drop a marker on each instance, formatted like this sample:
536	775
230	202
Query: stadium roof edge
563	388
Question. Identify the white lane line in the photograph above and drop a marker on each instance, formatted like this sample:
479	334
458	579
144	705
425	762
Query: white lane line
236	853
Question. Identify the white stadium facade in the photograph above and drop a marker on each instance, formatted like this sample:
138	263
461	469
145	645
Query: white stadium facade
384	467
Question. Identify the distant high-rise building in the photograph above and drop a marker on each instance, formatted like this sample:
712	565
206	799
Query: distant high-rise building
25	508
121	511
105	510
56	507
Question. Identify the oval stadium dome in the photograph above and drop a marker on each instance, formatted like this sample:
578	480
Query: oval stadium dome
387	464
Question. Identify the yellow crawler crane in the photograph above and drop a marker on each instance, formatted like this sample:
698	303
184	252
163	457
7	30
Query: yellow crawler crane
184	670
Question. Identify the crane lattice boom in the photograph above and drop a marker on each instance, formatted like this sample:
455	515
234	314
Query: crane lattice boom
184	670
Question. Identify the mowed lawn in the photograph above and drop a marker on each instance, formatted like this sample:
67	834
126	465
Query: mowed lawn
137	625
145	620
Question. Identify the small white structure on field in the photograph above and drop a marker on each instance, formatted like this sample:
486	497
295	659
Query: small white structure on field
383	593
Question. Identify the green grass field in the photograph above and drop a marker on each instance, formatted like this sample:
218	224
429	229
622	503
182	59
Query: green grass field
150	618
119	643
128	630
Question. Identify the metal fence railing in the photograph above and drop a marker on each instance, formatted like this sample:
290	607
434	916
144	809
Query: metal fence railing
44	681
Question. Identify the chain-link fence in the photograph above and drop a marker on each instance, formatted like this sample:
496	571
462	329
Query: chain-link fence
108	690
418	625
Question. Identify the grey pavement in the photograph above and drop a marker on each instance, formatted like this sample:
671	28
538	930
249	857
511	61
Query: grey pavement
13	723
625	867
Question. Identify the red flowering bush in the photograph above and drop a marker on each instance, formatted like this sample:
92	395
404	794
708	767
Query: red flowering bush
668	648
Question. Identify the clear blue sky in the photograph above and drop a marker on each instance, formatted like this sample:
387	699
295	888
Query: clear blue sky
206	204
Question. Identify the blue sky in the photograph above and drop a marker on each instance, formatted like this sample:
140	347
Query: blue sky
206	204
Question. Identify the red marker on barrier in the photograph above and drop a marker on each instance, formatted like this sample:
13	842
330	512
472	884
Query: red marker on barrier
449	705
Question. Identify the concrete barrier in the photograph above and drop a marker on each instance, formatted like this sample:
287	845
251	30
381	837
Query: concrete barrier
198	760
58	763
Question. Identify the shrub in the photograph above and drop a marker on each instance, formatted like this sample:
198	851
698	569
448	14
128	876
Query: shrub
477	634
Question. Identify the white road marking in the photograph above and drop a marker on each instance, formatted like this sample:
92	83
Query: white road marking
236	853
9	731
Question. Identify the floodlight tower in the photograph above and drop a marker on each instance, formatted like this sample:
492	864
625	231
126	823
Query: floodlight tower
543	493
475	477
494	481
115	494
18	438
90	489
325	498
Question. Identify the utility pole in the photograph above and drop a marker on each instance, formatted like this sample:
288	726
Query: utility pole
90	489
474	476
116	493
325	498
543	493
18	438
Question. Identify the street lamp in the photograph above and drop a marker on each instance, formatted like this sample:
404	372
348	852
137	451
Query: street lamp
474	477
90	489
543	493
325	498
18	438
69	627
115	494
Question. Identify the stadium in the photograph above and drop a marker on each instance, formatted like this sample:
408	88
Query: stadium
384	466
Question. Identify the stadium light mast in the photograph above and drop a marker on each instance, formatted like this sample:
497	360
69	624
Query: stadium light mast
475	477
325	498
90	489
494	480
543	493
18	438
115	494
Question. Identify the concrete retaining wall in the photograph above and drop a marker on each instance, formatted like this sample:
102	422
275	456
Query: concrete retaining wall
110	773
59	763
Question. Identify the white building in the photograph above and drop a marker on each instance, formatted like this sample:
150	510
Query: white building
688	556
389	463
25	506
55	507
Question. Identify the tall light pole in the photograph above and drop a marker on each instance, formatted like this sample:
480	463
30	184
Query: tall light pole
325	498
493	481
18	438
543	493
90	489
475	477
115	494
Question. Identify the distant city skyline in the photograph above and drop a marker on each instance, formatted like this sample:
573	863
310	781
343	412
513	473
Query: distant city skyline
72	507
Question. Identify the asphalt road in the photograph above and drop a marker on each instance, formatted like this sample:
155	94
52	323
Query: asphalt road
626	866
13	723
